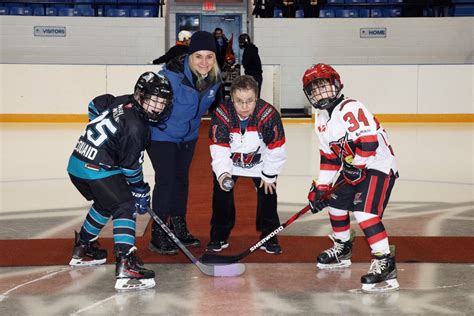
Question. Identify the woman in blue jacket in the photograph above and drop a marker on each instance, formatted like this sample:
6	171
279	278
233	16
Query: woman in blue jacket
195	79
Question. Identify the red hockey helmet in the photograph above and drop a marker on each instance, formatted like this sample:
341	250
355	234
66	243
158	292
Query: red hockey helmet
322	86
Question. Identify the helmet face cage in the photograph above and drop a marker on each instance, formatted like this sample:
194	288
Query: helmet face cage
155	96
322	93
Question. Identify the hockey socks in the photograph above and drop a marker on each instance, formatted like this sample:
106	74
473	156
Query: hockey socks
93	224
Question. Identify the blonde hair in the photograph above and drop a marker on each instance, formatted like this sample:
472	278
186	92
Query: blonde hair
213	74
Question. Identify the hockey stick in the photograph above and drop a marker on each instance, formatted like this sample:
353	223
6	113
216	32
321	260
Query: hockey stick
222	270
210	258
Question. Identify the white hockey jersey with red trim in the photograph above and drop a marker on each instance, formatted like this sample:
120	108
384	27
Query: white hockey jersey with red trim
259	152
352	130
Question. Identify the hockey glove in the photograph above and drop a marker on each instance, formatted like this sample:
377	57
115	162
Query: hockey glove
315	197
142	198
352	174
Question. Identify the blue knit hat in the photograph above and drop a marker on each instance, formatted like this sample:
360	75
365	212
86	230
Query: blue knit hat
202	40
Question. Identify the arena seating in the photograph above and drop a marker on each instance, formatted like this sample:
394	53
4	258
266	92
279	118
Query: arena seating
362	8
297	8
462	8
74	8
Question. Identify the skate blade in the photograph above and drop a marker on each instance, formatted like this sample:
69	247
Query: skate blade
340	265
134	284
85	263
382	287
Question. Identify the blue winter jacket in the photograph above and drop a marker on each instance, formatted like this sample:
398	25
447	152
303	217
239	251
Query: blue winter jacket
189	105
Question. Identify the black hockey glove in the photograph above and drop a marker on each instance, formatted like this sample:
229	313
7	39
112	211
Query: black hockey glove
315	197
142	198
352	174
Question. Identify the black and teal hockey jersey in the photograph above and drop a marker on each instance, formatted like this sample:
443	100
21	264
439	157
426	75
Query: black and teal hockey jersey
113	141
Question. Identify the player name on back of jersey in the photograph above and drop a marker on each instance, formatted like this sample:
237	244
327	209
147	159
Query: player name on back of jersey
85	150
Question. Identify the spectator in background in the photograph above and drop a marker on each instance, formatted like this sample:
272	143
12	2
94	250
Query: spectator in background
230	70
196	82
259	9
222	44
181	48
251	60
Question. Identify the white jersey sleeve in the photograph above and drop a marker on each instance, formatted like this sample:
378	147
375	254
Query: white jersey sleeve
330	163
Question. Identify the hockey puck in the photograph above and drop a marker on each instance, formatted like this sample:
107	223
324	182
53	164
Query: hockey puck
228	184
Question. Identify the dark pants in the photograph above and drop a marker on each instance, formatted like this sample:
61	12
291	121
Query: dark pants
171	162
370	196
109	194
112	198
223	211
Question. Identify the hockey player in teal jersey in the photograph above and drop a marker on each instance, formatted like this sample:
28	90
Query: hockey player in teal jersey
106	168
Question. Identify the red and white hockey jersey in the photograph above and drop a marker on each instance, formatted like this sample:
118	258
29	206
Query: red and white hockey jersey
258	152
352	130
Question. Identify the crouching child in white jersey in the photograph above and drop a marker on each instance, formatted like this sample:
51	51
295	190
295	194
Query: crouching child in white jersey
106	168
246	140
352	140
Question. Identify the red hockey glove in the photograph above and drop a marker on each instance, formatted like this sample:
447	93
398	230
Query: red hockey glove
316	193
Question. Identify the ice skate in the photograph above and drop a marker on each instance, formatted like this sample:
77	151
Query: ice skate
87	253
338	256
382	275
130	273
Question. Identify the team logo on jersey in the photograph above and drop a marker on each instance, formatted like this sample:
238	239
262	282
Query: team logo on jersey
357	198
118	111
211	93
246	160
343	147
322	128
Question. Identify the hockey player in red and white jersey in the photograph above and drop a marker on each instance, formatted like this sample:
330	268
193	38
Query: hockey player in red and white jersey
352	140
247	139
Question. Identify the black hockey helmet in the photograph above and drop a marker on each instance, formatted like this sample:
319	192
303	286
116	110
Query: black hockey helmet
244	40
155	95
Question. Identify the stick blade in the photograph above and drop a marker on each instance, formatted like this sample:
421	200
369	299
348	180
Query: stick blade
216	259
222	270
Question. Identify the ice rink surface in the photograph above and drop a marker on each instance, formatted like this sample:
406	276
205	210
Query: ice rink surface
433	197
